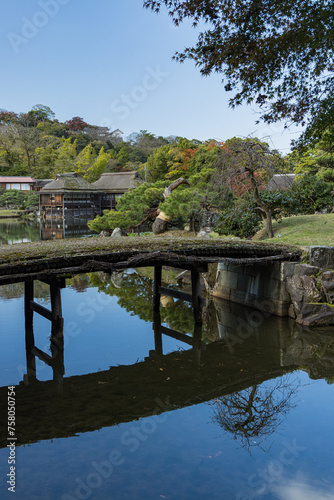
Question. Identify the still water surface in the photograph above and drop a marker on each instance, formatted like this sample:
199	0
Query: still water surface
14	231
247	412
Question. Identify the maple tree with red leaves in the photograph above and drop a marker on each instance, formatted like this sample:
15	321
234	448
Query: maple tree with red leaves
76	124
243	166
8	117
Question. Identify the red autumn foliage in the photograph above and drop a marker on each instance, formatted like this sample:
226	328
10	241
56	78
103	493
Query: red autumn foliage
8	117
76	124
240	182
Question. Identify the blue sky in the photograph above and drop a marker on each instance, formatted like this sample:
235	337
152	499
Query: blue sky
110	62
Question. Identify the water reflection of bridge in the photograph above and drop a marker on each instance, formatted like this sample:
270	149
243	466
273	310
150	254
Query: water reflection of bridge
66	406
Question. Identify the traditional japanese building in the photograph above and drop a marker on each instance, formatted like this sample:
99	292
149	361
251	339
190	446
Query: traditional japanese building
111	186
69	195
40	183
19	183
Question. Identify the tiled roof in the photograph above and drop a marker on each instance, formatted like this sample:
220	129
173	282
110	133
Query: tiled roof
68	182
281	181
17	179
117	181
42	182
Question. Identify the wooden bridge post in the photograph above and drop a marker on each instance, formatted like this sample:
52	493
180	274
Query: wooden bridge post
28	297
157	333
196	295
156	287
197	343
57	331
29	332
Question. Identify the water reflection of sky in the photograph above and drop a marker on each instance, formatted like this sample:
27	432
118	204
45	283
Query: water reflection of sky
180	454
183	455
301	489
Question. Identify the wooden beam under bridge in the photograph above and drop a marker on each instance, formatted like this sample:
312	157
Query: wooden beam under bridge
195	297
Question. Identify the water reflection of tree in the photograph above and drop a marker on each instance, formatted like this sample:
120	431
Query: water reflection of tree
136	296
255	413
13	230
16	290
79	282
134	293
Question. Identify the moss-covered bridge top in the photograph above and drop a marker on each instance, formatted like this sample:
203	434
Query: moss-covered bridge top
57	257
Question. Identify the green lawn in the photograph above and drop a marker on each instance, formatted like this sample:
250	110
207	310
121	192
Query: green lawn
8	213
304	230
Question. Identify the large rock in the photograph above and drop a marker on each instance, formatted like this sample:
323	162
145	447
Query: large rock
322	256
117	232
203	234
327	282
305	270
302	290
316	315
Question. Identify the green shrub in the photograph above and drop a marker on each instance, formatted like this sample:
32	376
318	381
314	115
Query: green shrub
110	220
281	203
238	222
306	195
313	194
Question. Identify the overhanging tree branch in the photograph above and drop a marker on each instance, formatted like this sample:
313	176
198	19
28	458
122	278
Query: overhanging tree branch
276	53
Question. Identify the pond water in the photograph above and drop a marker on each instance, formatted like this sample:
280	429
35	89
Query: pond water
21	231
244	411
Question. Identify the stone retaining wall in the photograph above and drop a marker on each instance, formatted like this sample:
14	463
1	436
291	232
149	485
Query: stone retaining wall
305	292
259	286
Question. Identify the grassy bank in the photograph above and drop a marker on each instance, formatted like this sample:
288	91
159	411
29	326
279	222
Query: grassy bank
304	230
8	213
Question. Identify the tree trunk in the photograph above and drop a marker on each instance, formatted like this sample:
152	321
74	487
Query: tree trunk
153	212
262	206
174	185
269	225
159	226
